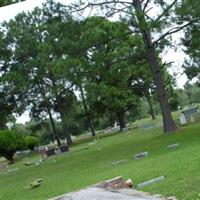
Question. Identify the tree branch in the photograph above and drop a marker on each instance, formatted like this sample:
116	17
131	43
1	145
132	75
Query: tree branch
99	4
116	10
145	5
171	31
166	10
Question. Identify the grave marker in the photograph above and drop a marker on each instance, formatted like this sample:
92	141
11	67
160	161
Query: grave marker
147	126
64	148
81	149
12	170
159	124
141	155
149	182
173	146
92	143
119	162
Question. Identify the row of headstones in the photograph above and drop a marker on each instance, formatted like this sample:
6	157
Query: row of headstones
49	151
142	155
151	125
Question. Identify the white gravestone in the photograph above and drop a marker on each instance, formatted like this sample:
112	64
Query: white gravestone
182	119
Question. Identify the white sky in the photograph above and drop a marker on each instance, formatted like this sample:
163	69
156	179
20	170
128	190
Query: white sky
177	57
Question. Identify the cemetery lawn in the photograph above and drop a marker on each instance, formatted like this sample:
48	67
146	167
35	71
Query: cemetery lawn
75	170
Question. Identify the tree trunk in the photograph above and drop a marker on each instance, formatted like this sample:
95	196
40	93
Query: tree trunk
169	124
9	156
120	117
53	127
67	135
60	110
50	115
151	110
89	120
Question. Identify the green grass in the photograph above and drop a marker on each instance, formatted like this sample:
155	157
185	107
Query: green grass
75	170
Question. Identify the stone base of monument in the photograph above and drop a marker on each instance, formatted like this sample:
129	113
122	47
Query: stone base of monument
114	189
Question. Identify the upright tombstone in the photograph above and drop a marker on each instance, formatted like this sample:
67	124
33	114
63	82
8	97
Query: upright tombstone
64	148
189	115
192	119
159	124
182	119
190	112
115	124
43	153
50	151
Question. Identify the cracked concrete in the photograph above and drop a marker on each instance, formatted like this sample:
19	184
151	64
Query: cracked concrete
113	189
93	193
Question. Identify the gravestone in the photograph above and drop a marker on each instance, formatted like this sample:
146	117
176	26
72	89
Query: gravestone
50	151
192	119
188	115
115	124
172	198
159	124
147	126
125	129
114	189
92	143
43	153
28	163
81	149
149	182
119	162
173	146
12	170
64	148
190	112
141	155
182	119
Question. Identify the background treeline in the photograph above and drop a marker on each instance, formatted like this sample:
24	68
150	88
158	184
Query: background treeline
75	75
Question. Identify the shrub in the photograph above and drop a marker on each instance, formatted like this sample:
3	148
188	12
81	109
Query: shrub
31	142
10	142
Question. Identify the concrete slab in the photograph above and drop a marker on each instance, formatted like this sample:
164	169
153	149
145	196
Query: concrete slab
104	194
113	189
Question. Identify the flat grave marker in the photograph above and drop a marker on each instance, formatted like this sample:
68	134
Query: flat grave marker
159	124
141	155
152	181
172	146
80	149
147	126
92	143
12	170
119	162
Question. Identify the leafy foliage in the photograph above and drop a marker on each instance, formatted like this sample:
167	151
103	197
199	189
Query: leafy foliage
8	2
10	142
31	142
188	11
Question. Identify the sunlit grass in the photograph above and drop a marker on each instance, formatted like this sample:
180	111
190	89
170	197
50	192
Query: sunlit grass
75	170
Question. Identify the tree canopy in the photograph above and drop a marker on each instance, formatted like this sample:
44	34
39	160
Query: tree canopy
68	70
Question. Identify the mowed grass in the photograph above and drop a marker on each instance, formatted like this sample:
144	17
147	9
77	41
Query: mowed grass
75	170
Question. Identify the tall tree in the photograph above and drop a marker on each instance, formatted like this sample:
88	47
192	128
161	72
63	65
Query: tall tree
8	2
108	70
149	28
25	38
189	11
70	56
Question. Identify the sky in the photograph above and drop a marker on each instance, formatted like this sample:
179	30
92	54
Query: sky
170	55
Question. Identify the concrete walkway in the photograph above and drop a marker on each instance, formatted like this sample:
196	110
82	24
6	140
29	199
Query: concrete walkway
113	189
93	193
